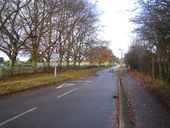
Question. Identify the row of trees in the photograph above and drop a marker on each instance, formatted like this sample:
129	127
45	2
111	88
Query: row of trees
41	28
150	51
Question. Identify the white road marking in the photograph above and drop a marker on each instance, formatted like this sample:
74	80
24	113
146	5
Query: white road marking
71	84
78	81
66	93
15	117
65	85
88	81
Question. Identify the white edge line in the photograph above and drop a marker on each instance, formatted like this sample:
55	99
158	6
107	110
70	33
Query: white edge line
66	93
15	117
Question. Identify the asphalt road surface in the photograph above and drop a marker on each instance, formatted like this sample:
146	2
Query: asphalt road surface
83	103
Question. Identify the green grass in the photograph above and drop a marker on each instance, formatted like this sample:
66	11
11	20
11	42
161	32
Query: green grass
29	81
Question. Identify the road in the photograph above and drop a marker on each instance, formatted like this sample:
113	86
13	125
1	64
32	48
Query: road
83	103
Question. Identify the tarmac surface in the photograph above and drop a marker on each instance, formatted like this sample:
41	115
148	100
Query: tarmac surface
148	112
83	103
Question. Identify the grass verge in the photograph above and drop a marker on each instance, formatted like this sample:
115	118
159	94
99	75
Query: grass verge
24	82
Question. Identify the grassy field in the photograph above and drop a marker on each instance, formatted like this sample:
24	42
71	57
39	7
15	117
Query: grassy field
24	82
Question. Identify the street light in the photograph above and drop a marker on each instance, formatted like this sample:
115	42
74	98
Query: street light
121	58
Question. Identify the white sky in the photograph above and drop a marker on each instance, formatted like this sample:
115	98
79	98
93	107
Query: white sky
115	19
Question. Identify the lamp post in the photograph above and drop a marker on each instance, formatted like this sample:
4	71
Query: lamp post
121	58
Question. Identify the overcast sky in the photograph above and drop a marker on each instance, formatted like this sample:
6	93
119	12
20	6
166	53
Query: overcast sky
115	18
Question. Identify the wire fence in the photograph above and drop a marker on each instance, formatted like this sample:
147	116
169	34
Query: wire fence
20	69
24	69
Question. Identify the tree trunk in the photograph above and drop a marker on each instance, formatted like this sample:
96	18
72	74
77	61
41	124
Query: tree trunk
67	59
67	62
48	63
60	54
11	65
79	61
79	56
74	62
60	60
160	70
153	69
34	64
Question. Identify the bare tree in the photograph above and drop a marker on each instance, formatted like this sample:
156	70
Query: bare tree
153	32
11	27
35	15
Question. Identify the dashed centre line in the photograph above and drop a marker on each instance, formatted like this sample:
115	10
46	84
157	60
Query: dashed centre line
66	93
15	117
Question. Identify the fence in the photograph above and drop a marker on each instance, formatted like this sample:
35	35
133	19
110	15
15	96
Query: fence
24	69
20	69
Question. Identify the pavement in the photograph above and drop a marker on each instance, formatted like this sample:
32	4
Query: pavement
82	103
148	112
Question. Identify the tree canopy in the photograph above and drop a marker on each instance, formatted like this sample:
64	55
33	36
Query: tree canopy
151	51
42	28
